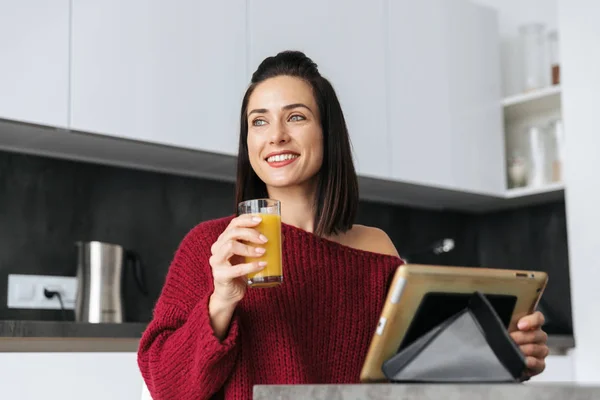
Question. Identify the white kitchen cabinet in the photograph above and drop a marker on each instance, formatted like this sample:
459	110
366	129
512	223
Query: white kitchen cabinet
171	73
346	38
445	95
34	71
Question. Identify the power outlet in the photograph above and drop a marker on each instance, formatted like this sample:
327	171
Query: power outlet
27	291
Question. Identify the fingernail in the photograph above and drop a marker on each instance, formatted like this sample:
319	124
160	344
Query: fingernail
523	325
256	219
263	238
260	250
262	263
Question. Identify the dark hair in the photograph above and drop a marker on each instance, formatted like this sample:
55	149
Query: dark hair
336	198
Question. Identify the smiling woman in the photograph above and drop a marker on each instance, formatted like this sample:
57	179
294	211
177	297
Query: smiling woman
211	334
291	112
283	134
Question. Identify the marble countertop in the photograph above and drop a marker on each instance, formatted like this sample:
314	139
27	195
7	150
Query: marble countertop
528	391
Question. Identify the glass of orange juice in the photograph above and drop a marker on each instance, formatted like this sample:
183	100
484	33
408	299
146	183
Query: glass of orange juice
269	210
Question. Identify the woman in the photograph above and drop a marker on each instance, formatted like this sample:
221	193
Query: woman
209	333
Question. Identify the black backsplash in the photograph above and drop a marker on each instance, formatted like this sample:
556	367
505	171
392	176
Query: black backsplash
532	238
47	204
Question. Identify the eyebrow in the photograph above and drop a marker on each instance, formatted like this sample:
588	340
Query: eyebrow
287	107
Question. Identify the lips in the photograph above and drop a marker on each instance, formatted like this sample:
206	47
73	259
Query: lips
281	159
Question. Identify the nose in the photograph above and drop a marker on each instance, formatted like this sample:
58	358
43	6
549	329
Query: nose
279	134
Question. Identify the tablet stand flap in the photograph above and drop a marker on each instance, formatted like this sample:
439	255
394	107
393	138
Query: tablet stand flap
471	346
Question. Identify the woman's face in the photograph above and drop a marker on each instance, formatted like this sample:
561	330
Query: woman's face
285	139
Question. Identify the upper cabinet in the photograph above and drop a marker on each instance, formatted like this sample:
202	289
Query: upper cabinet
419	83
445	95
163	72
346	38
34	71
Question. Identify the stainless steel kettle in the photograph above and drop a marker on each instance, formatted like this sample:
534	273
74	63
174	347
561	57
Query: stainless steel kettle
101	269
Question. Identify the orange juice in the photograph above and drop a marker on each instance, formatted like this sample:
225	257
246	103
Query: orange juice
272	274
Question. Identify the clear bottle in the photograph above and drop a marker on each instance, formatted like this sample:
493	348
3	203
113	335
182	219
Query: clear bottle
532	49
554	57
537	157
557	149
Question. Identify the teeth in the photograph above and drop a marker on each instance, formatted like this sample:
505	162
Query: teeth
281	157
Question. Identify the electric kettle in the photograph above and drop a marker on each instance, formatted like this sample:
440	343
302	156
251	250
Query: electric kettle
101	269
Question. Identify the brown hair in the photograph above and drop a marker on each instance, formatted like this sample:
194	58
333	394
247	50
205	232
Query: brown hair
337	197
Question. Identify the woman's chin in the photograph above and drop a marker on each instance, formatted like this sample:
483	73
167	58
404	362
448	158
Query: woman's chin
280	183
289	182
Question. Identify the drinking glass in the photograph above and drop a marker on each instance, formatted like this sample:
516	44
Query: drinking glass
270	226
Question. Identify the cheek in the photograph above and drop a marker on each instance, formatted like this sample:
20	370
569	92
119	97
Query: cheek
253	152
318	145
253	147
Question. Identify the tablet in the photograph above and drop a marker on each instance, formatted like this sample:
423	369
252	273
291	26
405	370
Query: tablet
422	296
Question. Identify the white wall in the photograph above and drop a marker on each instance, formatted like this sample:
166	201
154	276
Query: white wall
579	24
512	14
70	376
559	369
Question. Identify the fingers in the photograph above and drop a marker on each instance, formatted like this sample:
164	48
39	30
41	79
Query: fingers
531	321
529	337
229	273
535	350
535	366
246	234
240	229
231	248
532	342
245	220
242	221
238	233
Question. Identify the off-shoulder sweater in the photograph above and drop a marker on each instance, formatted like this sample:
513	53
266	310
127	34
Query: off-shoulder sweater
315	327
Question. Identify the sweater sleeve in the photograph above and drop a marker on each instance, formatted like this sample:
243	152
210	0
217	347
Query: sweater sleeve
179	355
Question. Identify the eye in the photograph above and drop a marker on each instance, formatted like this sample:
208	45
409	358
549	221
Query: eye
259	122
297	117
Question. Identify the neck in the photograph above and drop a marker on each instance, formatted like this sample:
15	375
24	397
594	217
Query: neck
297	205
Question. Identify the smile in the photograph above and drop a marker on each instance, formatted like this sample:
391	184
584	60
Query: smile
282	157
281	160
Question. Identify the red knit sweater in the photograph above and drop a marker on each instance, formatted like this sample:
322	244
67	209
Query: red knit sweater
314	328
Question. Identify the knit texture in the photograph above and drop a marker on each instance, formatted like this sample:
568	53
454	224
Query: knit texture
314	328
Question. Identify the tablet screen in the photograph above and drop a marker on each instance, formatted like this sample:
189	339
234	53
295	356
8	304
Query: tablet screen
436	307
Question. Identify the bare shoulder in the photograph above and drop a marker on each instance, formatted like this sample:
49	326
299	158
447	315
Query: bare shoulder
371	239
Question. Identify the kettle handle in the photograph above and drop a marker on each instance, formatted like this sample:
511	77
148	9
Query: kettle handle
138	272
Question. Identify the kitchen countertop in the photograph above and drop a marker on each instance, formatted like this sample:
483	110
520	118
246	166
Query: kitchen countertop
42	336
527	391
58	336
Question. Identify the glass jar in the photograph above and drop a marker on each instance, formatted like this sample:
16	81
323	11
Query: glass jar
532	39
517	171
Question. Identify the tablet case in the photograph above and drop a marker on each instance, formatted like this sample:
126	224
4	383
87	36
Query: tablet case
472	346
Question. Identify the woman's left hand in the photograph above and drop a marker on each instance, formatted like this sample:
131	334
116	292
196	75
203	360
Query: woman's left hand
532	340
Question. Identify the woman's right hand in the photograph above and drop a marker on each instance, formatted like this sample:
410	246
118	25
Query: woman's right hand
227	261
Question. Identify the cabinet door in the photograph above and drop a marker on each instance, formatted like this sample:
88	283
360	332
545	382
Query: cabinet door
346	38
445	95
171	73
34	71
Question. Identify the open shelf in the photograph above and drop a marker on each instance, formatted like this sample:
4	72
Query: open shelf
534	195
526	104
532	191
